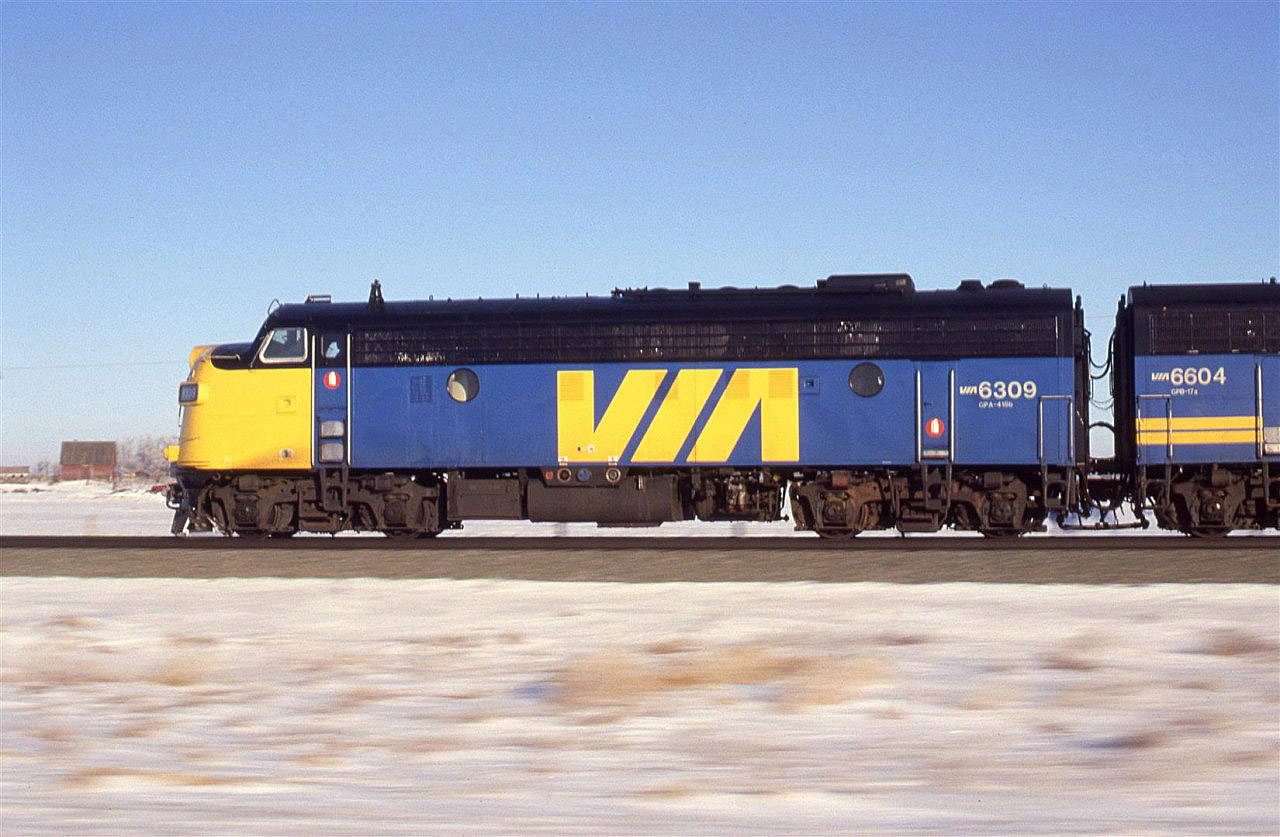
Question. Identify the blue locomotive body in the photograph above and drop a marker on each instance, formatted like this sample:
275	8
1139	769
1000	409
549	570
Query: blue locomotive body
873	405
986	411
1213	408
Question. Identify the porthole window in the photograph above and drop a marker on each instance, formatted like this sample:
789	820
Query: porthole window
866	380
463	385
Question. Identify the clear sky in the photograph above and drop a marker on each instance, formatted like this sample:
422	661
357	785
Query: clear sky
169	169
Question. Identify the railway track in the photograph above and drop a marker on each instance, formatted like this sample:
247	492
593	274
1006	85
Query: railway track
807	544
1037	560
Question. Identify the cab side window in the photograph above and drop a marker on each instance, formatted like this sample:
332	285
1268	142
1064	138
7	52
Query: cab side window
285	345
331	351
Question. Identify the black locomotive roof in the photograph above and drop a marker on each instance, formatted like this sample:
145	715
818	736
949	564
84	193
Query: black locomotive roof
861	296
1220	318
1223	293
862	316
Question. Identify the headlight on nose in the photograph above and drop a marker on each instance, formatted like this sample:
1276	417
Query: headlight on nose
188	394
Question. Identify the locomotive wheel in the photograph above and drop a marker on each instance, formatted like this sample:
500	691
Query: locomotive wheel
1002	533
837	534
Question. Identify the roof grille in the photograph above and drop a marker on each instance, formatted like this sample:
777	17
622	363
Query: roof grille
1177	331
733	340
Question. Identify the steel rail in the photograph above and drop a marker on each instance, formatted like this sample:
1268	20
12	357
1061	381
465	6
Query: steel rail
915	543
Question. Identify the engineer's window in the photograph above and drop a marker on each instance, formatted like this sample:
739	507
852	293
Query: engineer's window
285	345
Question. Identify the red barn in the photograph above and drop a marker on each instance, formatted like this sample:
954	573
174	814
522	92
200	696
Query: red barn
88	460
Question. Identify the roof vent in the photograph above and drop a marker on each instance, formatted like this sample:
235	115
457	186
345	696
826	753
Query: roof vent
868	283
311	298
970	284
1005	284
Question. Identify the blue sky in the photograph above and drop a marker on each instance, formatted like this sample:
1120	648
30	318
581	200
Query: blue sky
169	169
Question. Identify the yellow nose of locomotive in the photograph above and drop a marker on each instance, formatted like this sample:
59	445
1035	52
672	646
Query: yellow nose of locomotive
238	416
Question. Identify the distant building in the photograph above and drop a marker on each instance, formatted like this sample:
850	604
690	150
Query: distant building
15	473
88	460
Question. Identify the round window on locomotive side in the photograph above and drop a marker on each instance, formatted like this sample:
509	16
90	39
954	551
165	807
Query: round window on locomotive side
866	380
463	385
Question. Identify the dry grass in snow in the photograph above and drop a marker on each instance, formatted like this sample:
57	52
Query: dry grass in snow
633	679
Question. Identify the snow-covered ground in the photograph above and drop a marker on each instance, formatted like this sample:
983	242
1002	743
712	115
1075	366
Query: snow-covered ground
368	706
380	706
81	508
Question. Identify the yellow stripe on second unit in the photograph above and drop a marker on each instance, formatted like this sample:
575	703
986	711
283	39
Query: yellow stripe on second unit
1161	423
1200	437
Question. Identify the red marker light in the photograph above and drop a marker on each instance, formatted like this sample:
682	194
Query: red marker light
332	380
934	428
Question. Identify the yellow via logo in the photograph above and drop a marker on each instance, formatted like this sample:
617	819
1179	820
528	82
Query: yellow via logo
774	391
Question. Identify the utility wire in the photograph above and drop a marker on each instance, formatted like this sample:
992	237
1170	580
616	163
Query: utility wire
116	365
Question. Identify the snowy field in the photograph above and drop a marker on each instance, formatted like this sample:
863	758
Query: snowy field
374	706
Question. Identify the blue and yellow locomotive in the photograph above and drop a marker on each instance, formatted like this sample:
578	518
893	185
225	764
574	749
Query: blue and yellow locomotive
1196	381
867	404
